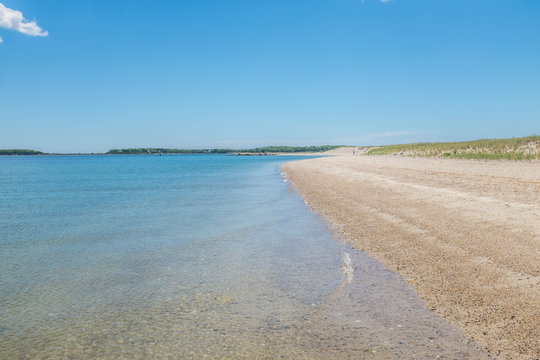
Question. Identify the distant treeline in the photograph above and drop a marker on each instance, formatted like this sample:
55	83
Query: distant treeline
266	149
20	152
291	149
139	151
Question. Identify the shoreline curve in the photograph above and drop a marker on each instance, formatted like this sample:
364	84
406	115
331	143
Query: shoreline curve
465	234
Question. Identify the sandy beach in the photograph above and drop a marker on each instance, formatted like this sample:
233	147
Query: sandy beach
465	234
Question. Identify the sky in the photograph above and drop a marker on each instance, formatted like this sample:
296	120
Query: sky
88	76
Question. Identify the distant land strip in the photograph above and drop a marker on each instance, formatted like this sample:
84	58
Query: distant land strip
266	149
143	151
522	148
20	152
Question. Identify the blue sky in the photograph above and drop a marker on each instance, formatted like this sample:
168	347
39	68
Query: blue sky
86	76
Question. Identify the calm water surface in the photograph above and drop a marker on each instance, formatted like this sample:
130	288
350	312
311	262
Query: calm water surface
189	257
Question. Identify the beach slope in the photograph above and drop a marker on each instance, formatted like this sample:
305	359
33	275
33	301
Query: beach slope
464	233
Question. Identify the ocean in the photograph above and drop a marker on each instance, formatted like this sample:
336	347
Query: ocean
187	256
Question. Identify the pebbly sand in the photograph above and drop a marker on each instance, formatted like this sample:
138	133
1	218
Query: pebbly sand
465	234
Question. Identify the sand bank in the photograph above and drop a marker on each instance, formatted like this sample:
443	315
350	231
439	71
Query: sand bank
464	233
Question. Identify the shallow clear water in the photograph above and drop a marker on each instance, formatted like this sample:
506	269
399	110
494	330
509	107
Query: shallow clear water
188	257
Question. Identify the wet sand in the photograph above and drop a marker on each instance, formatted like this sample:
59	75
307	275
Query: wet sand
465	234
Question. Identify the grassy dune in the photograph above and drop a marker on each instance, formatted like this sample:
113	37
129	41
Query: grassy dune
524	148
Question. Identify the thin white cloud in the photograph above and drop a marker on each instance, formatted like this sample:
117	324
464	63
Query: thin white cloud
14	20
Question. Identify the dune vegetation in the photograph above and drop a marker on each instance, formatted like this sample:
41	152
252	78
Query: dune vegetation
523	148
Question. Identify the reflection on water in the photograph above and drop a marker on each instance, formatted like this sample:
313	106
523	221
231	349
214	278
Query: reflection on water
189	257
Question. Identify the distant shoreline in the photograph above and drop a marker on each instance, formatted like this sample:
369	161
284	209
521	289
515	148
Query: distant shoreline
522	148
222	154
166	151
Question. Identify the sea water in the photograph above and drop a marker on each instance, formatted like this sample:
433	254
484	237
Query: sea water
187	256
